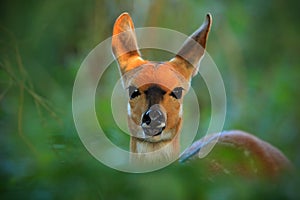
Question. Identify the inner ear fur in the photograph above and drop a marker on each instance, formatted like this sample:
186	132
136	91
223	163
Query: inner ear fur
188	57
124	44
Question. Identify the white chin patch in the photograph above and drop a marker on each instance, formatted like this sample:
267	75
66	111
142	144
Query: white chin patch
162	137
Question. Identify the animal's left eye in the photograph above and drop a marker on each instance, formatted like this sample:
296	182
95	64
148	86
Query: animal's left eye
177	93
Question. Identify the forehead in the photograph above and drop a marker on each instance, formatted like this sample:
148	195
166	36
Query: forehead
161	74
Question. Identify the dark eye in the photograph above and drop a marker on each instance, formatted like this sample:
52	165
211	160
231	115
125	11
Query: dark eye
133	92
177	93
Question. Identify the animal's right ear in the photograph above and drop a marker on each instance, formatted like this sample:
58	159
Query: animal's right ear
124	45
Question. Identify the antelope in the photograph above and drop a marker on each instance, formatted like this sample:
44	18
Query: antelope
156	91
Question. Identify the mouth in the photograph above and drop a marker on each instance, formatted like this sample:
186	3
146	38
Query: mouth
153	131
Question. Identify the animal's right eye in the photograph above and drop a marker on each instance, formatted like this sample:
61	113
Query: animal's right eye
133	92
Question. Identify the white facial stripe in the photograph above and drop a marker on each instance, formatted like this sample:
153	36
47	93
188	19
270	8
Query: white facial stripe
180	111
128	109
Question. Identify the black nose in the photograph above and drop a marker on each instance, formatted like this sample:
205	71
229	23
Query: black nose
153	121
153	118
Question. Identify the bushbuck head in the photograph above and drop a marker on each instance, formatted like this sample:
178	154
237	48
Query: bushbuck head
156	89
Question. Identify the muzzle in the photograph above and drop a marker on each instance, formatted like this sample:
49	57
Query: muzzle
153	121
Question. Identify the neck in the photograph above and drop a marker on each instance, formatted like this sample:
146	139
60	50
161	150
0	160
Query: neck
153	152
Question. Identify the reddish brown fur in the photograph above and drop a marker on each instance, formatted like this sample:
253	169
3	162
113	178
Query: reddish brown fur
168	75
144	74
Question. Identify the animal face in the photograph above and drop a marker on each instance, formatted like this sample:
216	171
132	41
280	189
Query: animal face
156	89
156	94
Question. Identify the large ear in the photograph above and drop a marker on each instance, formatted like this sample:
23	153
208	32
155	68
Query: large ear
187	59
124	45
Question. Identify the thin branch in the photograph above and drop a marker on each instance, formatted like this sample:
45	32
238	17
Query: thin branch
20	122
39	99
25	84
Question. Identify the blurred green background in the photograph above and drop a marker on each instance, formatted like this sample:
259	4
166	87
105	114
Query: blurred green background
255	45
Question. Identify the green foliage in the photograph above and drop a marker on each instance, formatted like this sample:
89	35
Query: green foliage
255	45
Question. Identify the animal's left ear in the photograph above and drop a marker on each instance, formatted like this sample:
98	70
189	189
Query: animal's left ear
187	59
124	45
